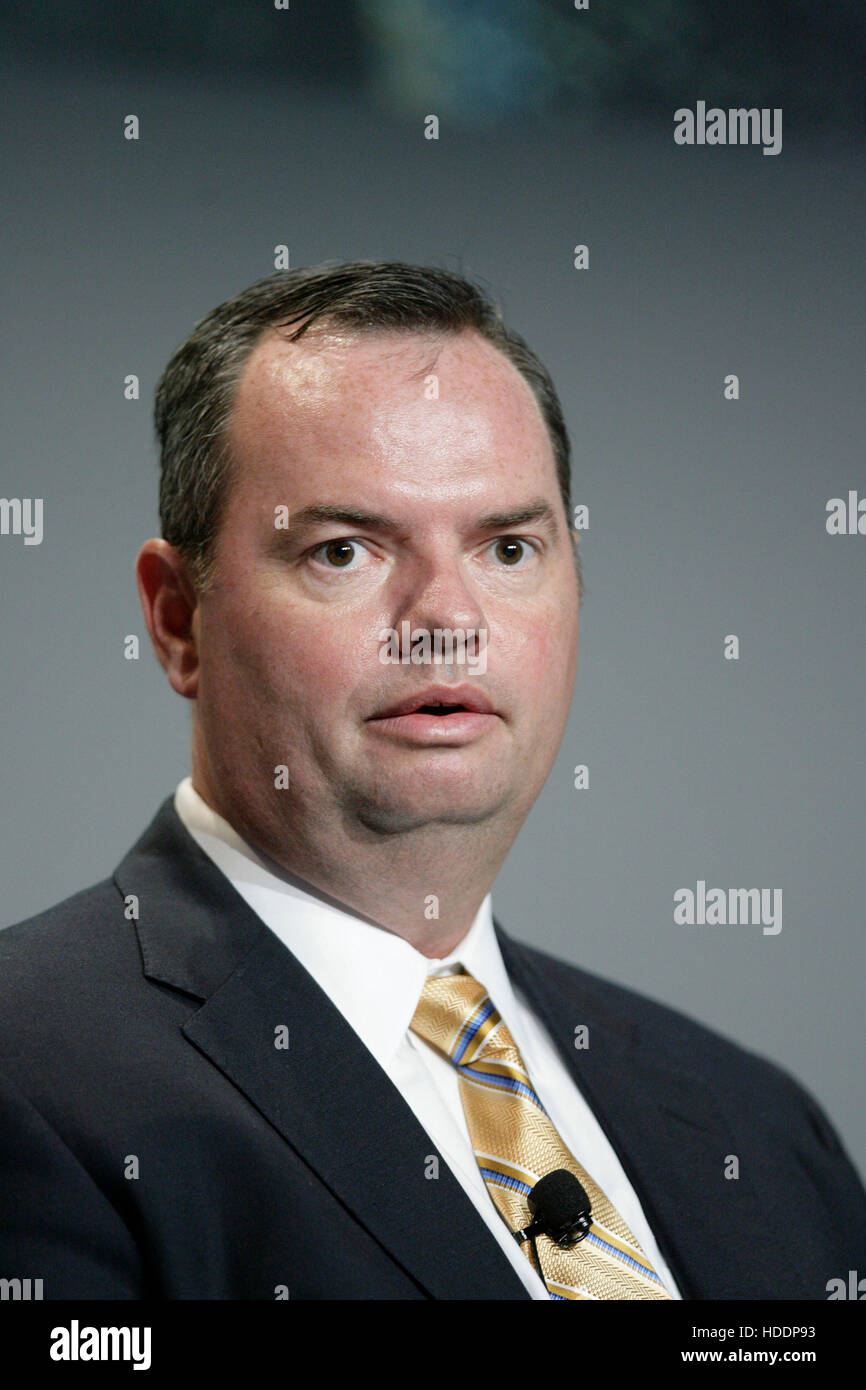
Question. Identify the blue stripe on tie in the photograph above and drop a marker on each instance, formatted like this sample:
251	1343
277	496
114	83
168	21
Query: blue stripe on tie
505	1180
626	1259
505	1083
471	1028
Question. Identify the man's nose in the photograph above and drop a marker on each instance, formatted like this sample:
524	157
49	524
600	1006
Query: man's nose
440	594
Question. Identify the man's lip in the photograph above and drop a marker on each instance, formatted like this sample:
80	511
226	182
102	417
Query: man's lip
464	695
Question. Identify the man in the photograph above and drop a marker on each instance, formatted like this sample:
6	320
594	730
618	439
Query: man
285	1051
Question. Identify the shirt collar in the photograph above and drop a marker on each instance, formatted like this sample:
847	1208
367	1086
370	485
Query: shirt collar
372	976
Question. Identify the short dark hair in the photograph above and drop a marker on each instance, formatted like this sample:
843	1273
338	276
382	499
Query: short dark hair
195	394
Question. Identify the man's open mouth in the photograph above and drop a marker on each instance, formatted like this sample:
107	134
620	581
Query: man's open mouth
439	702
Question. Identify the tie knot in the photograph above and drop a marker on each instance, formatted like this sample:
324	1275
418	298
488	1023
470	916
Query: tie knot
455	1014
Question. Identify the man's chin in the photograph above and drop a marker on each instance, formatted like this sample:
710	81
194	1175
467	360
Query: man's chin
428	807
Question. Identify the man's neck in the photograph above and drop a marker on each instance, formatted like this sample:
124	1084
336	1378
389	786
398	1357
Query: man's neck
426	887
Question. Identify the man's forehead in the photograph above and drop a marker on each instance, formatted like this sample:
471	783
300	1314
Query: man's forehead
331	363
354	407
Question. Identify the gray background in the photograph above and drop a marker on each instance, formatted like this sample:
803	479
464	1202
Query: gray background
707	517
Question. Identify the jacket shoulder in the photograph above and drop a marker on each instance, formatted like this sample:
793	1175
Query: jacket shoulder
63	956
77	916
683	1042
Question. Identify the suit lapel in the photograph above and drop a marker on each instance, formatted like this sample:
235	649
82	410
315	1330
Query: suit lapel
667	1130
324	1093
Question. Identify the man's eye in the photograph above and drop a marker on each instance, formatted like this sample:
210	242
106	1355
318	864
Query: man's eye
512	551
337	554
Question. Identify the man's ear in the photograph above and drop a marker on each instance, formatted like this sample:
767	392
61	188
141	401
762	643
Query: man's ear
169	601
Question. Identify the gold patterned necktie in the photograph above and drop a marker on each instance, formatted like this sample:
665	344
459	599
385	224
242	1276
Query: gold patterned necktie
516	1144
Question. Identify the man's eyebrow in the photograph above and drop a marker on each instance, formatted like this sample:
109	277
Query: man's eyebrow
519	516
320	512
323	512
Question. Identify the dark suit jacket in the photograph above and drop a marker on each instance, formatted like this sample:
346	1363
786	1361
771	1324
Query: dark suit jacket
148	1047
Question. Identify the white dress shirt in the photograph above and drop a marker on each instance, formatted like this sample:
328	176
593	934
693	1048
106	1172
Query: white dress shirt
375	979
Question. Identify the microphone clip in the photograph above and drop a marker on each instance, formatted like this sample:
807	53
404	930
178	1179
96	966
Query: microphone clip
565	1235
560	1209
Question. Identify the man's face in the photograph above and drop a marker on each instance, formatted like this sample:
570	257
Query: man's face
290	636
